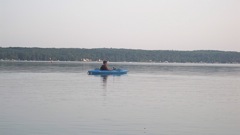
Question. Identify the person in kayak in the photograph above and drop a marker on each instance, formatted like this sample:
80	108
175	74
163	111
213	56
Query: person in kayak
105	66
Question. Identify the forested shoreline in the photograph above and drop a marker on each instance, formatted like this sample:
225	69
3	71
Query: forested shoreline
118	55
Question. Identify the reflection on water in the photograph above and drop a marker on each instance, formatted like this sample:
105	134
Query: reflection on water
59	98
104	80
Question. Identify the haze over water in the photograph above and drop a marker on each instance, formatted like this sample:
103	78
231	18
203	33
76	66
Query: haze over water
59	98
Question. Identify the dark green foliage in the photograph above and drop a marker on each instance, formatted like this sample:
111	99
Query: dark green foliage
76	54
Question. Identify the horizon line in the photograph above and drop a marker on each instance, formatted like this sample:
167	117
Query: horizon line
118	48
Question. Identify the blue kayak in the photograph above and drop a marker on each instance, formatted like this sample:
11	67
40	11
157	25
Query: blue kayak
107	72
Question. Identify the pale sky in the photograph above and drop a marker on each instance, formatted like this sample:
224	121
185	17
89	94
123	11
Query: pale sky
135	24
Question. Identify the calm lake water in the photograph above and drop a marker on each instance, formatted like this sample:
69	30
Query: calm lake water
59	98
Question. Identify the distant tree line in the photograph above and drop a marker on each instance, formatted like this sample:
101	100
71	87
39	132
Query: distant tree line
118	55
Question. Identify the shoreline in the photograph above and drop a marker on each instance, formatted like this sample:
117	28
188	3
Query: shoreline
198	63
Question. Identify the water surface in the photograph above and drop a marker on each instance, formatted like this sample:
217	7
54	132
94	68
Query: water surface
59	98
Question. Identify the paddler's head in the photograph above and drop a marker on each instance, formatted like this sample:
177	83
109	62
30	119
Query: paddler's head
104	62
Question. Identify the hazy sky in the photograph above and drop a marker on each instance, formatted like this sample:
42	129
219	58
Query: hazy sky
141	24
